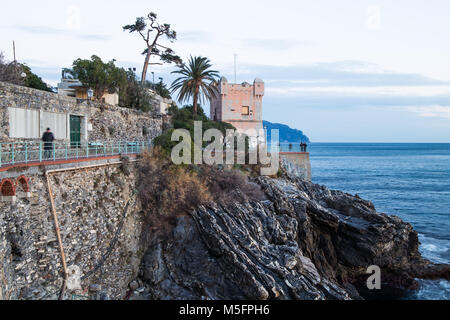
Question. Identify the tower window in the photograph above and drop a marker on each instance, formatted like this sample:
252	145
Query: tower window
245	111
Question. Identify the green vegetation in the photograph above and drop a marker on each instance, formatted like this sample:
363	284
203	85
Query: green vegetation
184	119
34	81
12	72
168	191
161	89
136	96
197	81
100	76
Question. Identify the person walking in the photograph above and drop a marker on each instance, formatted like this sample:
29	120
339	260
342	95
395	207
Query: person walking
48	138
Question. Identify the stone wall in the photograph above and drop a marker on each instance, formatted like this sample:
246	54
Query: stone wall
90	205
297	163
109	123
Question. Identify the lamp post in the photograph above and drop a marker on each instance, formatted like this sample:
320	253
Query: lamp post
153	81
90	93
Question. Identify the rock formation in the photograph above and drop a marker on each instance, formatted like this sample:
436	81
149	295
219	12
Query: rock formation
304	242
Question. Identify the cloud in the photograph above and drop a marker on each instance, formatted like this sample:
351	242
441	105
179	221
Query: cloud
329	101
380	91
45	30
435	111
277	44
194	36
339	73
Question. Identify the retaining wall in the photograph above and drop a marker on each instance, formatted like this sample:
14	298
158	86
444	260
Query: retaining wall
90	205
100	122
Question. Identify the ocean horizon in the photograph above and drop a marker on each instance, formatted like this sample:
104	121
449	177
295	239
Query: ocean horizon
409	180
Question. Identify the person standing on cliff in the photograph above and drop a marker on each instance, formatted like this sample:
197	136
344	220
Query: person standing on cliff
48	138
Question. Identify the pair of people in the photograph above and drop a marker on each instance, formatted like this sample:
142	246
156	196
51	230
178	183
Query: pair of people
48	138
303	147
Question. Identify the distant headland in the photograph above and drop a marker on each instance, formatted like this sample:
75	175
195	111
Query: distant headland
287	134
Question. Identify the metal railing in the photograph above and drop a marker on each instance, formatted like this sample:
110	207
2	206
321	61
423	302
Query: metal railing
12	153
290	147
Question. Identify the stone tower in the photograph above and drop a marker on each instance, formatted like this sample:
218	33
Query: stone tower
239	105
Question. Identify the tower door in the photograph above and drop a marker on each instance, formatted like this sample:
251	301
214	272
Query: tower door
75	130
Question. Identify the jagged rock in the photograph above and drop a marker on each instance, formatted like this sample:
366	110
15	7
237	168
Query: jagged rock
243	252
305	242
343	235
133	285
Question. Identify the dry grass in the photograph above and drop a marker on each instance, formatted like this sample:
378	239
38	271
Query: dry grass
168	191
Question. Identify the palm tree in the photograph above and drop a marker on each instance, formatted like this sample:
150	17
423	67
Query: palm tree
197	80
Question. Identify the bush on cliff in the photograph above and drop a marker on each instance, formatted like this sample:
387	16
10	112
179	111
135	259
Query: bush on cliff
135	96
183	118
168	191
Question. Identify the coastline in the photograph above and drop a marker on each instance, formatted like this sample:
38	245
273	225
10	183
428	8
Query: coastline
395	176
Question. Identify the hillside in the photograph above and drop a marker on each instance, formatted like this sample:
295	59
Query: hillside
287	134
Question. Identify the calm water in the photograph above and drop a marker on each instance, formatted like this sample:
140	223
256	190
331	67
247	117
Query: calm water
411	181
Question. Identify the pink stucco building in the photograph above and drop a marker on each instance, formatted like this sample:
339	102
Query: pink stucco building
239	105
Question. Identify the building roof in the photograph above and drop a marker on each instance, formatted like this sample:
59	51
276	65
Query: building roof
258	80
69	83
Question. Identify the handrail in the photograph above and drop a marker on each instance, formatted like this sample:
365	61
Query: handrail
23	152
287	147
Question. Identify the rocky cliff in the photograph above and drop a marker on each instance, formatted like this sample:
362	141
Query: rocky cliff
304	242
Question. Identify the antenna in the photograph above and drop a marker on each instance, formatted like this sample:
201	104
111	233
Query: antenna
14	51
235	66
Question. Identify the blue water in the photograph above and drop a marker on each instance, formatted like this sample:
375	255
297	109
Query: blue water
409	180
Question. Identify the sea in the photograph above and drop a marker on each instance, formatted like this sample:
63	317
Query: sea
409	180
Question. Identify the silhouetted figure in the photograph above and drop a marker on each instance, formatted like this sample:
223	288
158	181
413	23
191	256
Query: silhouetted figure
303	147
48	138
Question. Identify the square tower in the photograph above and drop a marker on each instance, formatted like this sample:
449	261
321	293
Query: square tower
239	105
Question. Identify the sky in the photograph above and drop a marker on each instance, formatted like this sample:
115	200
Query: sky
341	71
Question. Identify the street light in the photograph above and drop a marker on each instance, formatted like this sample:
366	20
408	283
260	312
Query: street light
153	82
90	93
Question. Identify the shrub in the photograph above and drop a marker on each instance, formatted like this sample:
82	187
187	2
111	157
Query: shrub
125	165
229	185
184	119
168	191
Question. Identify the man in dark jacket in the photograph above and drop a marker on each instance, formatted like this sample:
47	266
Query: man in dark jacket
48	138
